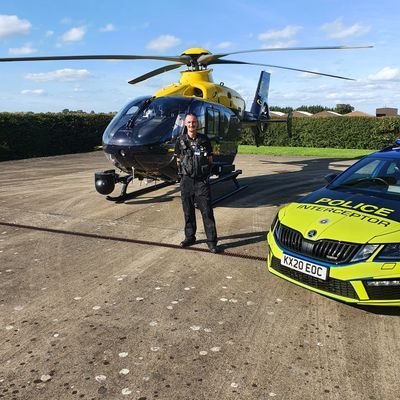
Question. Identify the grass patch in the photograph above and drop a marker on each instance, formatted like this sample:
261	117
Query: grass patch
304	151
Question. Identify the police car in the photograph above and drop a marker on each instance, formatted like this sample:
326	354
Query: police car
343	240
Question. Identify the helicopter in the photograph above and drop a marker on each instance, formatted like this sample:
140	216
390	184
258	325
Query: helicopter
140	139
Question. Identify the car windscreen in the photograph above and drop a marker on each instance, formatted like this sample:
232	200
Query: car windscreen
378	176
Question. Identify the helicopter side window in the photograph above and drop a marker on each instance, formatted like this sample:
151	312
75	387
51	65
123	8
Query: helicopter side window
213	123
224	124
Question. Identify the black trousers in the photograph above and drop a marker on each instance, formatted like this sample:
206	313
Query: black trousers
197	191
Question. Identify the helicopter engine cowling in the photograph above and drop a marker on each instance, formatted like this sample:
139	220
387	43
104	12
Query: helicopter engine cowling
105	181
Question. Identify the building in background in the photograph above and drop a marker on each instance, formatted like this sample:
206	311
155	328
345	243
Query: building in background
301	114
357	114
327	114
386	112
277	114
380	112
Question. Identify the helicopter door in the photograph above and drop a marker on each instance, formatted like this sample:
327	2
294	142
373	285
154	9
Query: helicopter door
224	149
212	123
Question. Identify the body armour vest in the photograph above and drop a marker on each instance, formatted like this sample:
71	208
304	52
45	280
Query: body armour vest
194	156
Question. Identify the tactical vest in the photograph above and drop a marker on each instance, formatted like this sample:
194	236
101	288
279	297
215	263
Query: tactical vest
194	157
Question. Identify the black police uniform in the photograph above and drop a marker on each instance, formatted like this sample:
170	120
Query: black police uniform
194	169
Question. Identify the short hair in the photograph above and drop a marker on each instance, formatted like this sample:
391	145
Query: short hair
192	114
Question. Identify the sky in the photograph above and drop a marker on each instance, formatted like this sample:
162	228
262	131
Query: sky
168	28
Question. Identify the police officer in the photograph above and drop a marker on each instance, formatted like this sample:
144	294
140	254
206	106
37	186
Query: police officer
193	154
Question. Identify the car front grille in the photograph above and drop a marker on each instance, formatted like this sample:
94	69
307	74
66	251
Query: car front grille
331	251
331	285
382	292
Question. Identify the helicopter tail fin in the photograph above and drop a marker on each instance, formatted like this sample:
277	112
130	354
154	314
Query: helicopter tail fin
258	116
260	102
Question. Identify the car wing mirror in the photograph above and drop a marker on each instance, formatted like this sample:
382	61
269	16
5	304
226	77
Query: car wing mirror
330	177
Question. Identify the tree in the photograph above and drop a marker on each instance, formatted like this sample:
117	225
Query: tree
340	108
312	109
343	108
281	109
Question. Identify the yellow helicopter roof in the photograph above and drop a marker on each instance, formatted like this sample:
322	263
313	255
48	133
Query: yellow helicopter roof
195	51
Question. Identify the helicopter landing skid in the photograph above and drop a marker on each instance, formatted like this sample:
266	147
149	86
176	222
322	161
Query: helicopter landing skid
227	177
125	180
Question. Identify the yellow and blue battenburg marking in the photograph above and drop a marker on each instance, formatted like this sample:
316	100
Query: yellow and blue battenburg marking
336	244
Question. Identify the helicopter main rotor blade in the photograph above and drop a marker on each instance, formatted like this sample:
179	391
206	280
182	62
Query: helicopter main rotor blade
181	59
208	59
278	66
195	61
155	72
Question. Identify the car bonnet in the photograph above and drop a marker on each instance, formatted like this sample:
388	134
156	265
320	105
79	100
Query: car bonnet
344	216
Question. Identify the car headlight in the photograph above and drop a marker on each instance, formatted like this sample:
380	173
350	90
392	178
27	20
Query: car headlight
383	283
365	252
390	252
274	222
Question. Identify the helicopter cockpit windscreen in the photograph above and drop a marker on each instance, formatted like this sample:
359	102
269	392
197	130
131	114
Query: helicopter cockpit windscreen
123	116
148	121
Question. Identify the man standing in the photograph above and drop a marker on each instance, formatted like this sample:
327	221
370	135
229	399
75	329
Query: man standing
193	153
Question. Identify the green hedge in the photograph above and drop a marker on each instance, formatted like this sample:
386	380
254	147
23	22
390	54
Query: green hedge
334	132
25	135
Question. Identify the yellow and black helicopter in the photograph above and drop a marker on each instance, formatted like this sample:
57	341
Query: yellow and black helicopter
140	139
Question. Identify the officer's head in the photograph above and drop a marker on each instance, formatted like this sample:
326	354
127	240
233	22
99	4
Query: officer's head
191	125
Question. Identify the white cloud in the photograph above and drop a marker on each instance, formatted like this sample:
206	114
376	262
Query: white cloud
279	45
24	50
284	34
337	30
164	42
386	74
74	34
11	25
37	92
108	28
49	33
350	96
61	75
306	75
224	45
66	21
